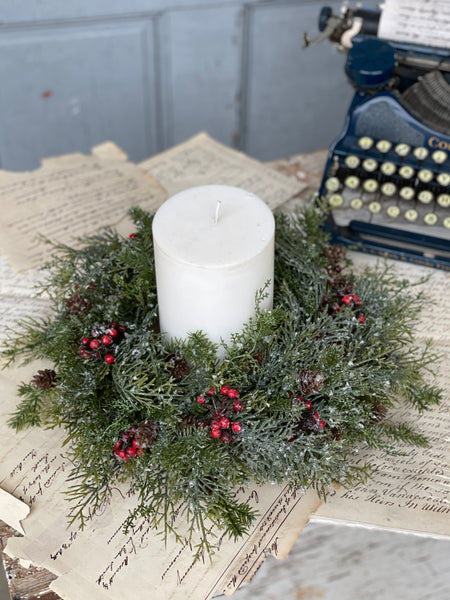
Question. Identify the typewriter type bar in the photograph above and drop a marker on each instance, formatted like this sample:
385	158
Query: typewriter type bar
387	178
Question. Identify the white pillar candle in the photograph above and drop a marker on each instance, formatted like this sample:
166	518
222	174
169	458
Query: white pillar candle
214	250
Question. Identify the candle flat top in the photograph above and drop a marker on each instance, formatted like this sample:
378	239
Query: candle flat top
213	226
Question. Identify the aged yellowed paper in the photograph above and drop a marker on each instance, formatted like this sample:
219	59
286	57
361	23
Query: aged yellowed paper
203	161
69	197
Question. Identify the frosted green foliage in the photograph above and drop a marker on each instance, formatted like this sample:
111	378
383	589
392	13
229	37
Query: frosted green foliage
313	383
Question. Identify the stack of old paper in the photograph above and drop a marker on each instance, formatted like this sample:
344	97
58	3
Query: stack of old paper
72	196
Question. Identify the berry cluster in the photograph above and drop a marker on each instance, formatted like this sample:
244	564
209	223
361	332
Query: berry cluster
341	294
222	412
127	445
307	404
310	422
103	342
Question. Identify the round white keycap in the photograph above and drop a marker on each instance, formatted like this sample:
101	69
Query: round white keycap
430	219
439	156
370	185
335	200
425	196
370	165
383	146
425	175
352	161
356	203
402	149
388	168
365	142
446	222
443	179
393	211
411	214
407	193
420	152
352	182
388	188
443	200
332	184
375	207
406	172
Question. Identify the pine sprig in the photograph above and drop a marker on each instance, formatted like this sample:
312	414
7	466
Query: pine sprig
303	385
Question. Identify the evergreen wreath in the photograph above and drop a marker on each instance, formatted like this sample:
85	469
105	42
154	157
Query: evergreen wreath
300	387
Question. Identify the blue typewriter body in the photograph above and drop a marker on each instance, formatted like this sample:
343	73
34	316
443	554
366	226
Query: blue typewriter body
387	177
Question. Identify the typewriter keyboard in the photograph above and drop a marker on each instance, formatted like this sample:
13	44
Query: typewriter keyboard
393	184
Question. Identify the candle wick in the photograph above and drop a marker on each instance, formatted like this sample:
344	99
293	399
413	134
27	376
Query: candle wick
216	218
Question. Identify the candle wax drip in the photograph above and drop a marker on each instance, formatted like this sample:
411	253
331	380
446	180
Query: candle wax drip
218	205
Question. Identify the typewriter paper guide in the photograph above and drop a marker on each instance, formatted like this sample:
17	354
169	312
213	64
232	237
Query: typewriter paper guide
416	22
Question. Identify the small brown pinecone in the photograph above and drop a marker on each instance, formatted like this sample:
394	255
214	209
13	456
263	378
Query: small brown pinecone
310	380
379	412
146	433
188	422
77	305
334	254
45	379
178	367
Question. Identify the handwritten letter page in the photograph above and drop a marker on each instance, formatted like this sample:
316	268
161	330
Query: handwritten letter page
203	161
416	21
69	197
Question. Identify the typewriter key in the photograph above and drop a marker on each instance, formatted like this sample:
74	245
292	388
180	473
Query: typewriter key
365	142
430	219
352	161
446	222
375	207
335	200
439	156
370	165
420	152
388	189
443	200
411	215
402	149
443	179
407	193
383	146
388	168
393	211
425	196
332	184
425	175
352	182
370	185
406	172
356	203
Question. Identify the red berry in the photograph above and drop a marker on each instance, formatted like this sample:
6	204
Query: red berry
211	391
347	300
361	318
325	299
356	299
91	286
337	268
216	433
224	390
335	307
132	236
121	454
140	452
109	359
83	352
131	451
135	443
321	424
238	405
215	425
233	394
117	446
201	399
316	415
122	328
224	423
307	404
112	332
95	344
236	427
106	340
85	341
226	437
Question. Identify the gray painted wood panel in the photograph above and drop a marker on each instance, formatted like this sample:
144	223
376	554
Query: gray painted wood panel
152	73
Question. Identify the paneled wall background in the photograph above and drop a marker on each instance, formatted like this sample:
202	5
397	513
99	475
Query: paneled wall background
148	74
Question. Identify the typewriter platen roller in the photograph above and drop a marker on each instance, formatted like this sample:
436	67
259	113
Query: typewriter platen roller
387	178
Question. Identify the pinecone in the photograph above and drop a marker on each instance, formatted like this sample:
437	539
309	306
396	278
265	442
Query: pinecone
379	412
335	254
77	305
310	380
178	367
188	422
45	379
146	433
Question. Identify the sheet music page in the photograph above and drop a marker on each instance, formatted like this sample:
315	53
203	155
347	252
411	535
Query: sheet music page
203	161
101	561
410	491
68	197
424	22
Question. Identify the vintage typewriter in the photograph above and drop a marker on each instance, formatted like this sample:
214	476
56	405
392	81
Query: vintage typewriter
387	177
